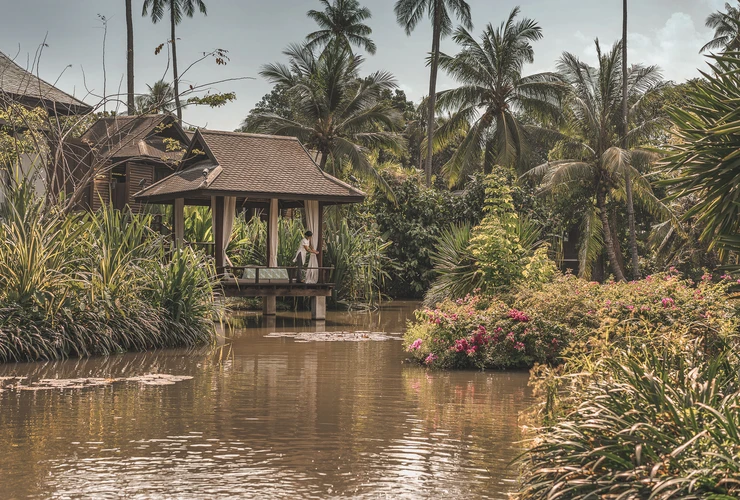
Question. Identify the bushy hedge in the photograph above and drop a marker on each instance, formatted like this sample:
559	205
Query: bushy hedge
574	319
84	284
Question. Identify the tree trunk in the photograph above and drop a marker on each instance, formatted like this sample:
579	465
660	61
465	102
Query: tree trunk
175	83
130	101
625	128
436	36
608	241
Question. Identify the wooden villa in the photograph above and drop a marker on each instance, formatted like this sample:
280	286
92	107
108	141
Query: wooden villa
139	150
231	171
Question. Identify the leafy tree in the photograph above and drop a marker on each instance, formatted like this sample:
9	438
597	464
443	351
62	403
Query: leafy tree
341	22
339	114
493	91
409	13
277	102
158	100
703	164
177	9
589	154
726	26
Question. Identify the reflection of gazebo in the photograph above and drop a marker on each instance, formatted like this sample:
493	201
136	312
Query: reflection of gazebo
226	170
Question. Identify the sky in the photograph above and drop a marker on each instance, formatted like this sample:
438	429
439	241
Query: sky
668	33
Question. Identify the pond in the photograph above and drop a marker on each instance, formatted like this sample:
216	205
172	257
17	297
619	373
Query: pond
262	417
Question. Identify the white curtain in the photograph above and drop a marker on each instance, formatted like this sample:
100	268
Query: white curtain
229	216
273	222
312	221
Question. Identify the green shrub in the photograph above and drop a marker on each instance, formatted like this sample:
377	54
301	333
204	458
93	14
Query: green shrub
83	284
647	426
479	332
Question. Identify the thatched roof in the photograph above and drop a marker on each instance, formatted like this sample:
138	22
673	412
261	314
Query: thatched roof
25	87
249	166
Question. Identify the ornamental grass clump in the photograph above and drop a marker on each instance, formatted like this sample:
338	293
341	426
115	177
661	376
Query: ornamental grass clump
94	283
653	425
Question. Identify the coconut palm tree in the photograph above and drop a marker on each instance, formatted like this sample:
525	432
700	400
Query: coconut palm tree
492	93
408	14
177	9
338	114
160	99
590	152
341	22
130	100
625	129
726	26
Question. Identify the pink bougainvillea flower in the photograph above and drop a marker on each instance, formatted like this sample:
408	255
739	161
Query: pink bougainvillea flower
430	359
415	345
517	315
519	346
668	302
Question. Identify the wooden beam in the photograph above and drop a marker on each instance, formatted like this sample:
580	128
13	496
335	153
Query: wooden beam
218	232
178	214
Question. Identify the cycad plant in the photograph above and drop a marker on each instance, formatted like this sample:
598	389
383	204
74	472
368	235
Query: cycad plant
704	162
493	94
589	157
340	114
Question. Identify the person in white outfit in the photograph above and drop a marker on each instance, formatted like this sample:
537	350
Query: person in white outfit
303	250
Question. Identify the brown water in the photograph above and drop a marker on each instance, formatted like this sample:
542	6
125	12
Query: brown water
266	418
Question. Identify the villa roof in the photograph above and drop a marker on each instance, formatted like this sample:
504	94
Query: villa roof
31	90
135	136
249	166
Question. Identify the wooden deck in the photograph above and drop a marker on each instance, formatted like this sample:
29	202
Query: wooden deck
261	282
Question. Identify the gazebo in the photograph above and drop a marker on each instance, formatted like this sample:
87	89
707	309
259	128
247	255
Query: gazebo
230	170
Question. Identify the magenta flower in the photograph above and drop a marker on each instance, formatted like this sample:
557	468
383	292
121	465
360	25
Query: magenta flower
415	345
668	302
518	316
430	359
519	346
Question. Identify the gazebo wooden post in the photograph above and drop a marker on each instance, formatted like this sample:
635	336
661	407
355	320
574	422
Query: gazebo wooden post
218	234
318	304
178	214
269	304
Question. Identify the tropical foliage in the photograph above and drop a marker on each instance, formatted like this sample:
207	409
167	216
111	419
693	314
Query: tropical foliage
589	156
94	284
726	26
341	23
339	114
493	95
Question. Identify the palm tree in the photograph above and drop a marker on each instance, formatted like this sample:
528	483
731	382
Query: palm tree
625	129
130	101
703	165
409	13
492	93
177	9
338	114
593	159
726	26
160	99
341	22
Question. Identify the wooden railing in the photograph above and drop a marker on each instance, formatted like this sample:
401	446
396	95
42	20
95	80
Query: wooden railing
324	273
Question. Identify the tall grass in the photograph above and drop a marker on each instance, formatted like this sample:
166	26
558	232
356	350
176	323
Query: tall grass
83	284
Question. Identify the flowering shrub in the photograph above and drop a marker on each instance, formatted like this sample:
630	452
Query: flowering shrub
479	332
575	319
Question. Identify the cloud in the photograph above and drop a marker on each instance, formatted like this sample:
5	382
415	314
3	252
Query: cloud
674	47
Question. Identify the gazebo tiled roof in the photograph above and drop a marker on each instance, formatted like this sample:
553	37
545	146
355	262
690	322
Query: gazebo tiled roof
249	166
29	89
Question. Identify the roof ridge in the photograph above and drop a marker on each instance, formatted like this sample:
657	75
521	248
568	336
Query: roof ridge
249	134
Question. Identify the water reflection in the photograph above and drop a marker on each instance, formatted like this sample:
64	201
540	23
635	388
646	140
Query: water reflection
265	417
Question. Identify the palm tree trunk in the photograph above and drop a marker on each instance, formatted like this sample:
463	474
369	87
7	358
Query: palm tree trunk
608	241
436	36
175	76
130	102
625	129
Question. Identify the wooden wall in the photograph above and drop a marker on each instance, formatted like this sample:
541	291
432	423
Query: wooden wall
135	173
